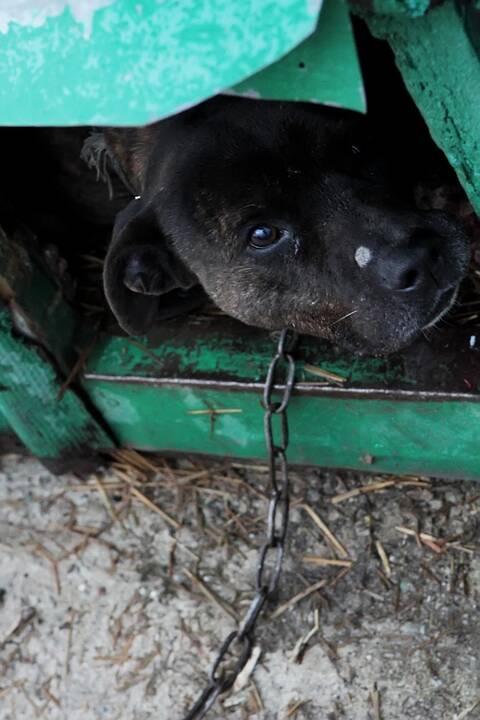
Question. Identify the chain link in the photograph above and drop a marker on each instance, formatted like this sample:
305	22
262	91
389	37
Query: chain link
272	551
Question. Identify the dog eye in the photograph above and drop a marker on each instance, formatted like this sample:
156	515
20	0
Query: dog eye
262	236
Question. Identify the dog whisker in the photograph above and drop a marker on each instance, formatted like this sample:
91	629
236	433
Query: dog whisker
344	317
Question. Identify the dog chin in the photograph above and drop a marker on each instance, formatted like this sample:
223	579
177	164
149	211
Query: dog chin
397	343
376	347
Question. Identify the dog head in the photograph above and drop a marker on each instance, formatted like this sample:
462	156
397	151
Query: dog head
288	215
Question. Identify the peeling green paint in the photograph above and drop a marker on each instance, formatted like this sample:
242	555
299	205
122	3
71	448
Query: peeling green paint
432	438
388	408
34	13
143	60
206	348
37	330
50	427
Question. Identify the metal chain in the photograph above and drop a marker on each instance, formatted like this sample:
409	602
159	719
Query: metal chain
272	551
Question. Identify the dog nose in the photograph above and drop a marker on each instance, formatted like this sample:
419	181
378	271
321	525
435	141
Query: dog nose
415	265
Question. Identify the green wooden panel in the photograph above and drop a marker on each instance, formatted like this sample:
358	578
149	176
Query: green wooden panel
215	349
37	334
322	69
400	435
128	63
412	416
50	426
441	69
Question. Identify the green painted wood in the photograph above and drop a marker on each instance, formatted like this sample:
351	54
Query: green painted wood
442	72
224	350
37	332
68	62
322	69
50	427
412	415
407	437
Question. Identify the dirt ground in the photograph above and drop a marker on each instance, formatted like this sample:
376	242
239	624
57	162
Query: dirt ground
110	610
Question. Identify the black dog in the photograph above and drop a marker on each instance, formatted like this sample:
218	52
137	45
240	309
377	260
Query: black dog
288	215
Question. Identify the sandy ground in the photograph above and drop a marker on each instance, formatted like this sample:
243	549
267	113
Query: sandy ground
104	614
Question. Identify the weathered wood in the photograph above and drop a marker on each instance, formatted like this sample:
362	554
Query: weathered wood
37	330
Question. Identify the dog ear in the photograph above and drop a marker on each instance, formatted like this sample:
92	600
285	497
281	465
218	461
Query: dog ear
129	150
142	278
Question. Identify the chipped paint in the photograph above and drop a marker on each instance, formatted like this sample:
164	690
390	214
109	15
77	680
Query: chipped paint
314	6
35	13
141	61
383	410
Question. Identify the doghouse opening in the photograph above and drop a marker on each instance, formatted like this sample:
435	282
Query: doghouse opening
43	190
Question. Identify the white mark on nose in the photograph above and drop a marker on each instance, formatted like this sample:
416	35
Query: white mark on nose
363	255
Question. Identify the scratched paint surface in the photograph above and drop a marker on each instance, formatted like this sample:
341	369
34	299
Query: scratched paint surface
34	13
137	61
222	349
431	438
48	425
37	334
127	380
